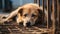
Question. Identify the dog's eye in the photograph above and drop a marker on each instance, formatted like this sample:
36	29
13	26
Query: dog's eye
25	15
33	15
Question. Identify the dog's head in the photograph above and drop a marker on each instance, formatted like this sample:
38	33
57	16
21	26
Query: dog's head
28	14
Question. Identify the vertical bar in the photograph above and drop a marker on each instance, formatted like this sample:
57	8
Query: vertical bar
3	4
38	1
35	1
43	11
58	12
47	13
43	4
53	18
53	13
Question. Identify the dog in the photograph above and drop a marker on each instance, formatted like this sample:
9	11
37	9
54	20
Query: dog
28	14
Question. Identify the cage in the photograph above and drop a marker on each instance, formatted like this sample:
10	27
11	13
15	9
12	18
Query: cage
52	7
50	27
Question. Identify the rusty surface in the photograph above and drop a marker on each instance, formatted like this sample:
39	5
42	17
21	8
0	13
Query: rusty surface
14	28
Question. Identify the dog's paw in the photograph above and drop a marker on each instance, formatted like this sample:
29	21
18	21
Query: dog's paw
7	21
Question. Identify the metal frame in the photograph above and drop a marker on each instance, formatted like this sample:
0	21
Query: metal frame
52	14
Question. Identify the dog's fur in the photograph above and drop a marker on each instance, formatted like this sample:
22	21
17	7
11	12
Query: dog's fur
28	13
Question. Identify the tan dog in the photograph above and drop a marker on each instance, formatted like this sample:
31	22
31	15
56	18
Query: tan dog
28	13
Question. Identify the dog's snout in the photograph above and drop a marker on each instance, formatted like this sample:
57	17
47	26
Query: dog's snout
21	23
28	23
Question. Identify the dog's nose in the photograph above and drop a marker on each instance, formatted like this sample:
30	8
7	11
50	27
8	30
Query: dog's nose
28	23
21	23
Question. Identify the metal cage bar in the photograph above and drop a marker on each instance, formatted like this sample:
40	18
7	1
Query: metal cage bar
53	11
35	1
47	13
58	27
58	12
43	10
52	14
38	1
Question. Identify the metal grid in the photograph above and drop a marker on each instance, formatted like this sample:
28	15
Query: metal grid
55	13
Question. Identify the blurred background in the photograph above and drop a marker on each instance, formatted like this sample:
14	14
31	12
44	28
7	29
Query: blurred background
9	5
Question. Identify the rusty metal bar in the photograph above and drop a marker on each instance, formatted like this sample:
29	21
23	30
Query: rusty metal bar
43	4
43	12
38	1
47	13
53	13
58	12
35	1
55	9
53	17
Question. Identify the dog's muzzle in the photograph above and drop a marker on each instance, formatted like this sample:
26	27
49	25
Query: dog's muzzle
27	24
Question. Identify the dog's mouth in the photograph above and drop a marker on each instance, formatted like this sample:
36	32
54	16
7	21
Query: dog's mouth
28	24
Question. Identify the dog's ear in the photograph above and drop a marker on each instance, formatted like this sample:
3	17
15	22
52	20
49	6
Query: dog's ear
40	12
40	16
39	19
20	11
